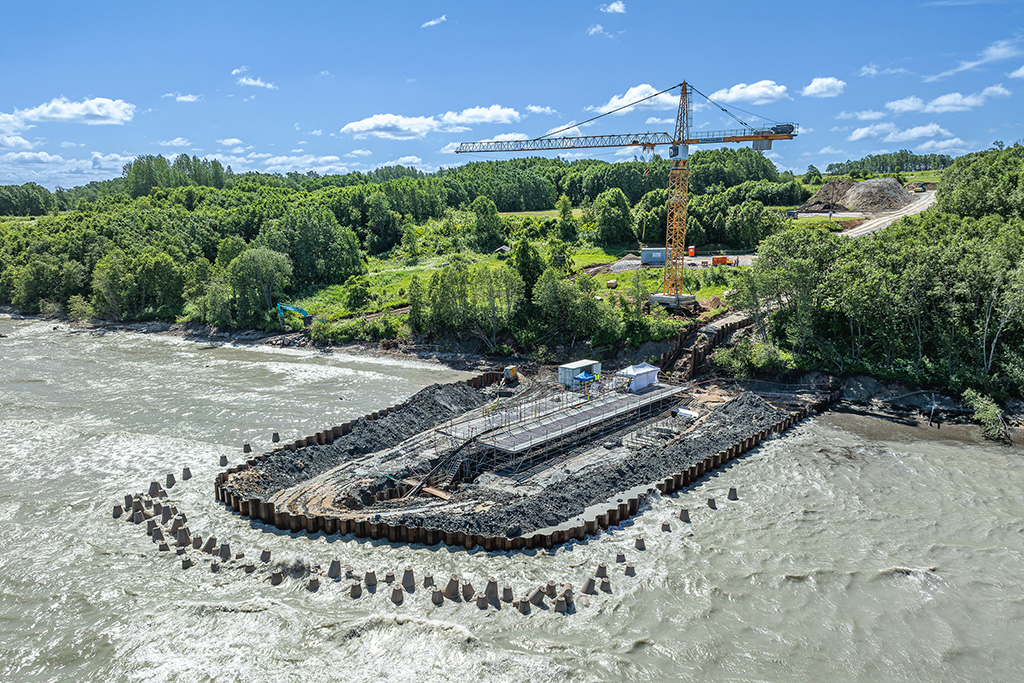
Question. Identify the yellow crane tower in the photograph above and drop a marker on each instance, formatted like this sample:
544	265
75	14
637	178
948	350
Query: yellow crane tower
672	290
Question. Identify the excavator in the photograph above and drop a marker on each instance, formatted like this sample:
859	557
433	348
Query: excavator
672	293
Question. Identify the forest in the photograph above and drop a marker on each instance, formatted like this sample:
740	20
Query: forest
902	161
937	299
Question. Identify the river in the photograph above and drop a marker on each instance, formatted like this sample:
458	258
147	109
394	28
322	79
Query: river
858	549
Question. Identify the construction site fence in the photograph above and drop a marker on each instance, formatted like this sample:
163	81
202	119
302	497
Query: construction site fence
266	512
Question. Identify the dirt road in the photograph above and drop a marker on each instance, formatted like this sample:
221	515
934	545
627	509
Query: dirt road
924	201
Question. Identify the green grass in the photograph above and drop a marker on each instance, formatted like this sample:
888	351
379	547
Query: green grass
584	258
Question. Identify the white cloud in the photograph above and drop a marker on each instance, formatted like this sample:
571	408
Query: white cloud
72	145
762	92
259	155
434	22
952	145
449	148
508	137
617	7
31	158
866	115
359	153
15	142
240	70
325	72
1019	73
229	142
637	92
535	109
824	87
298	151
176	142
871	70
571	130
872	131
256	82
997	51
97	111
316	132
392	127
404	161
907	104
492	114
931	130
830	150
653	120
187	98
597	30
950	102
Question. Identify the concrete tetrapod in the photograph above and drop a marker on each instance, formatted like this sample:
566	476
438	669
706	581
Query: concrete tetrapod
630	570
481	601
355	590
467	591
197	541
163	547
397	595
408	580
215	566
732	494
183	538
313	585
225	551
684	515
118	511
451	591
170	481
186	474
246	448
712	504
158	535
186	562
265	556
665	526
506	594
560	606
523	606
335	571
589	585
428	580
370	579
389	577
249	567
223	461
276	577
437	596
128	501
154	489
491	590
211	545
620	558
536	597
640	545
606	585
165	515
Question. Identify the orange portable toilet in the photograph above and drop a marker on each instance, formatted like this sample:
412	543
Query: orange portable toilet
691	251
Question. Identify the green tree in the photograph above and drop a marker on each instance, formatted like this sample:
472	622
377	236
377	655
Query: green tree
528	262
486	232
258	276
812	176
613	217
417	305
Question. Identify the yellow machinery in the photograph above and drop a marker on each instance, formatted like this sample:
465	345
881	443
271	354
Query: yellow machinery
672	292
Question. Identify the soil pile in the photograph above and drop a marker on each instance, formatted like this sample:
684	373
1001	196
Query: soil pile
883	194
870	196
626	263
829	197
430	405
726	425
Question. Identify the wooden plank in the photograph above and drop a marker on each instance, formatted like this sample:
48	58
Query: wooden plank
429	489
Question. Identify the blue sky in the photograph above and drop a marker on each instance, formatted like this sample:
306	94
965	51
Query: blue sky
340	86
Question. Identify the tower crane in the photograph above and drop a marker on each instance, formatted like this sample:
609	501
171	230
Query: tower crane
672	289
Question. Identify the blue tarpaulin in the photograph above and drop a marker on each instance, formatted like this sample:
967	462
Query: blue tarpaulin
584	377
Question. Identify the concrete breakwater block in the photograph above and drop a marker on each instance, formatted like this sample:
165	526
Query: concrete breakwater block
223	461
506	594
197	541
265	556
630	570
186	562
684	515
712	504
186	474
313	585
550	589
536	597
397	595
215	566
249	568
370	579
566	592
665	526
276	578
150	526
606	585
163	547
428	580
451	591
182	538
355	590
467	591
732	494
170	481
211	545
335	570
602	571
620	558
158	508
225	551
408	580
154	489
523	606
389	577
640	545
158	535
275	437
589	586
176	524
491	590
246	448
118	511
128	500
137	505
560	606
137	517
437	596
165	515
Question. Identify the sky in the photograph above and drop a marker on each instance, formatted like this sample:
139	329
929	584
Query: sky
334	87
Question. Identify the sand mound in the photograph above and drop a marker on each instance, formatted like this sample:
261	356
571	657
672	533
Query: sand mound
883	194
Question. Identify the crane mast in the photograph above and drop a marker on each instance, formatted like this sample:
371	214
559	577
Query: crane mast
672	290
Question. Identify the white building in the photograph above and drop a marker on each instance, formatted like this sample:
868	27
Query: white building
567	372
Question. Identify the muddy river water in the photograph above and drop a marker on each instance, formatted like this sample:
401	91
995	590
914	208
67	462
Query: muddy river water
858	550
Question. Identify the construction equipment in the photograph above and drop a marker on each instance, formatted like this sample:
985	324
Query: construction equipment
281	308
672	292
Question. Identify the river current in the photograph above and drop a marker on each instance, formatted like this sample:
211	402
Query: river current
858	549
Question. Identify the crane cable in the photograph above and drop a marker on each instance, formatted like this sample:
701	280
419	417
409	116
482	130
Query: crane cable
729	113
612	111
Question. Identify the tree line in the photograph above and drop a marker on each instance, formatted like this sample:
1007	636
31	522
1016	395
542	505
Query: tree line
902	161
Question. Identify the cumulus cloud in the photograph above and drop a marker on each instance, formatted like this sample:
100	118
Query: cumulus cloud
434	22
229	142
72	145
536	109
830	150
1019	73
404	161
871	70
97	111
492	114
931	130
866	115
15	142
568	130
617	7
449	148
240	70
654	120
873	131
392	127
637	92
256	82
178	97
950	102
31	158
597	30
359	153
762	92
176	142
997	51
952	145
824	87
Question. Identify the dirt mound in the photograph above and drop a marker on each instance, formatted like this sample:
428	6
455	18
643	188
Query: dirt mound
712	303
627	262
427	407
829	197
883	194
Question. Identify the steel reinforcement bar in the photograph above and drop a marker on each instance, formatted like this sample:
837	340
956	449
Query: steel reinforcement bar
257	509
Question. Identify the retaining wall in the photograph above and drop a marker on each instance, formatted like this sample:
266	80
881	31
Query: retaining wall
255	508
